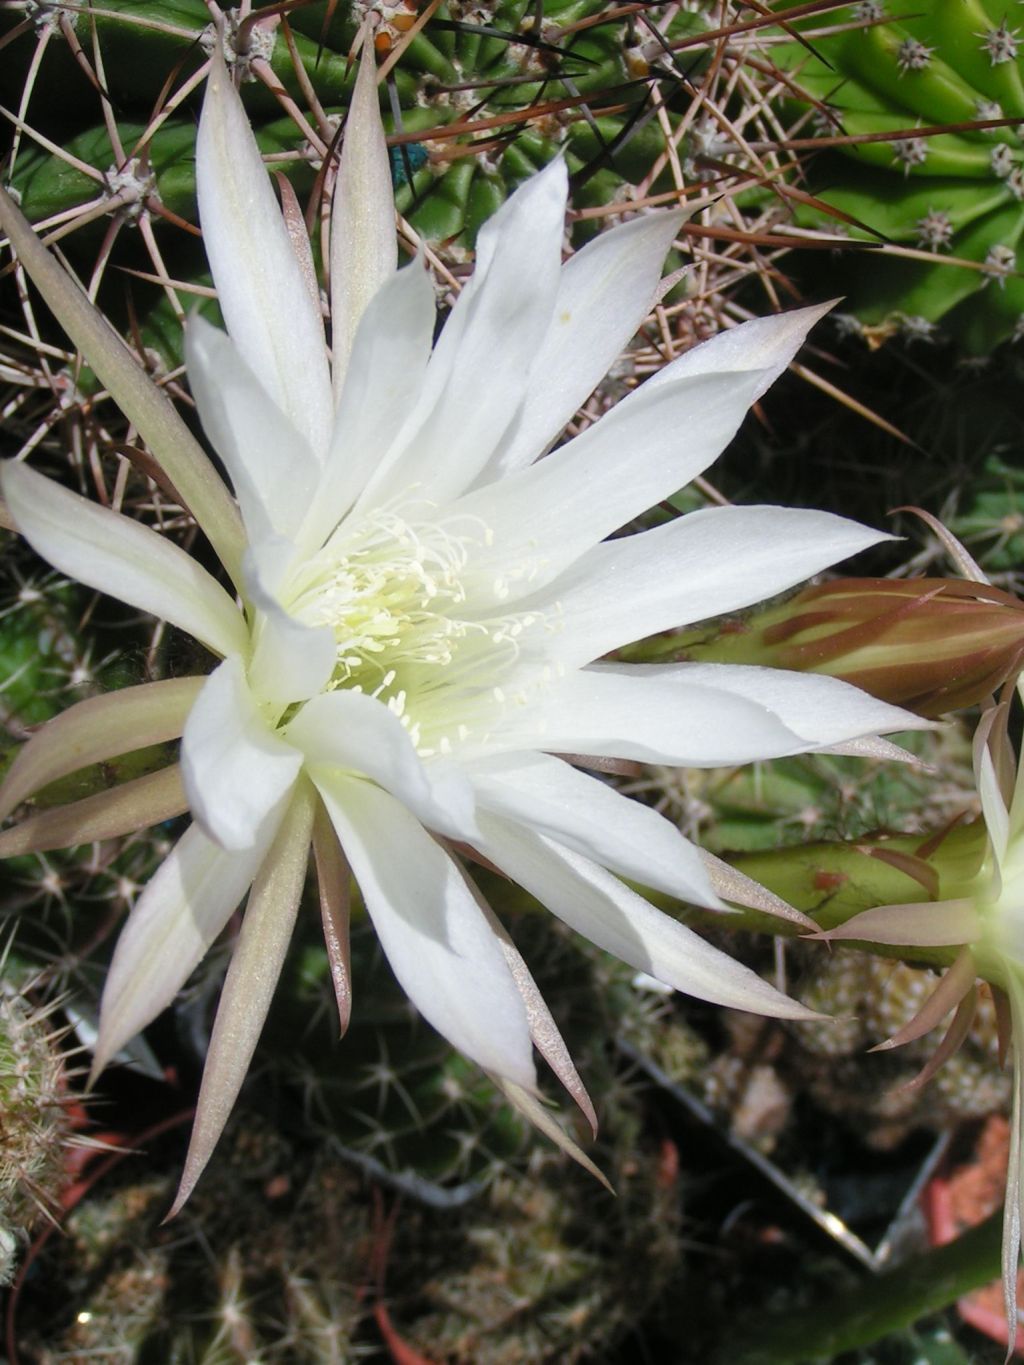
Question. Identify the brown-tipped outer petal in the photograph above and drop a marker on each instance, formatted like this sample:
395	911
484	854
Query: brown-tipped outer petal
334	881
920	924
543	1030
954	985
255	967
97	729
733	885
957	551
123	809
533	1110
145	405
960	1026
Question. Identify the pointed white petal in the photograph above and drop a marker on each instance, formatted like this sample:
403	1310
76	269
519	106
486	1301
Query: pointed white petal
585	814
144	403
273	471
918	924
182	910
121	558
97	729
133	805
272	320
364	248
604	294
353	732
701	565
256	962
697	715
599	907
236	769
383	381
765	344
290	660
477	375
440	947
648	447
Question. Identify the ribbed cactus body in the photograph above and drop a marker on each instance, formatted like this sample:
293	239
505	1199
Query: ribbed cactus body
955	196
35	1123
480	99
471	65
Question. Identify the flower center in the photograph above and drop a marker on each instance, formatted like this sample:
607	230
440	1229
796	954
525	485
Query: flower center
391	588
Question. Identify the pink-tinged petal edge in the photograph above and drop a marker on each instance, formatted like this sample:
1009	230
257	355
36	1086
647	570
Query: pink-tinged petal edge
256	962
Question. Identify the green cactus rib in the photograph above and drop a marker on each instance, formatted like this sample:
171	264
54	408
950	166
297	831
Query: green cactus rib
453	72
957	194
479	100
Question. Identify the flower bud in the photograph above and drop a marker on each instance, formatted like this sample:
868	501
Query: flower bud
932	645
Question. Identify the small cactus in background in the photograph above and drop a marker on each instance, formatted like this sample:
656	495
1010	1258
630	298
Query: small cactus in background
950	204
869	999
33	1101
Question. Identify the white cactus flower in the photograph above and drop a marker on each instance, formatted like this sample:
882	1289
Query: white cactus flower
421	602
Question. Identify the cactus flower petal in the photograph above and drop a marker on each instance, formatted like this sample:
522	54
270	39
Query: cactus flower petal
350	731
440	946
499	321
260	286
921	923
249	986
593	818
597	905
236	768
119	557
604	293
713	561
364	253
97	729
171	926
249	432
697	715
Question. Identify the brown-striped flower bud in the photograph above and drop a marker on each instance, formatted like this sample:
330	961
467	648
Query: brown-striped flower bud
932	645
